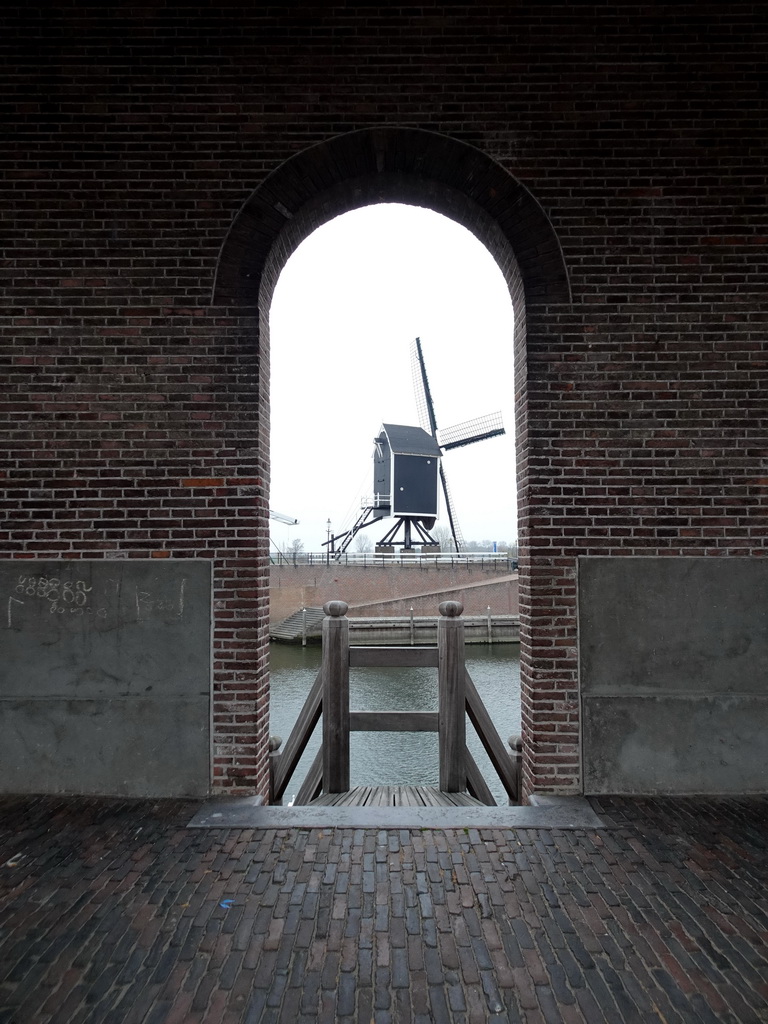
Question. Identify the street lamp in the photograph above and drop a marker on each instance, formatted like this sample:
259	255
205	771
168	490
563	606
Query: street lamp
328	543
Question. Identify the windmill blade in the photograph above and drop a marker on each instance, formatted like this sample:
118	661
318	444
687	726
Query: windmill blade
471	431
281	517
458	540
424	405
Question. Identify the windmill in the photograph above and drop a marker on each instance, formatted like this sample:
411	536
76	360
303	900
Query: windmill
407	464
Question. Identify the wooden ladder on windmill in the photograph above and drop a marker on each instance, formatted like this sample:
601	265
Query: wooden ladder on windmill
460	779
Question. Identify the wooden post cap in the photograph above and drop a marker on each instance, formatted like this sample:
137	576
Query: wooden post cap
336	609
451	609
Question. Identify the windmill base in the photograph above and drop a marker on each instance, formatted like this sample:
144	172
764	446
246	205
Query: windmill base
424	551
415	534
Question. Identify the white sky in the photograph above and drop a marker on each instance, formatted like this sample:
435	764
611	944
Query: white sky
347	306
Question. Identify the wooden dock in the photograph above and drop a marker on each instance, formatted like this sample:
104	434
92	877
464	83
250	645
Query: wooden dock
395	796
305	626
327	783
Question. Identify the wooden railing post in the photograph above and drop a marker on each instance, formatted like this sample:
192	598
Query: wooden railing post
335	669
275	742
516	746
451	715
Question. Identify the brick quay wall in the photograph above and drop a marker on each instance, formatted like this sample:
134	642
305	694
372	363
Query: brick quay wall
375	590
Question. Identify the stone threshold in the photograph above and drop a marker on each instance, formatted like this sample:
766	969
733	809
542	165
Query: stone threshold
544	812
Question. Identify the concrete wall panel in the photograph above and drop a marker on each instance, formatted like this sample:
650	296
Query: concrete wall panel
105	671
674	674
139	747
695	744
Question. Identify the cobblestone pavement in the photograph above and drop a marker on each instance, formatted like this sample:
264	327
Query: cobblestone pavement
113	912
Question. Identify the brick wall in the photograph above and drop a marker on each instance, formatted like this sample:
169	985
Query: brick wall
161	161
293	587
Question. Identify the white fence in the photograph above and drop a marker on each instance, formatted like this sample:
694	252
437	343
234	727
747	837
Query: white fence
499	561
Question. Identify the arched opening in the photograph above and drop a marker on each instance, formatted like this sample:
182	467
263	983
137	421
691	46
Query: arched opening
349	303
418	168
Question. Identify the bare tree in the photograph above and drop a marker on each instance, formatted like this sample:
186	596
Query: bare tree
444	538
295	547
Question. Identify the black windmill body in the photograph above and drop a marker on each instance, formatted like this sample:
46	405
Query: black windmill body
408	473
405	479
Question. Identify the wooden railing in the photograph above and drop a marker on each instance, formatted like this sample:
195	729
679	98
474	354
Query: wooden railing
457	699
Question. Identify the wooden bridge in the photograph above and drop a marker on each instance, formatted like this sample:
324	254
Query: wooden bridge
328	779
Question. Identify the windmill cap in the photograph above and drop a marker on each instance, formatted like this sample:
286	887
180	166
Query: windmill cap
405	440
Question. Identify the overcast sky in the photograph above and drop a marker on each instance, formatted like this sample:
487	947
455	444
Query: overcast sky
346	309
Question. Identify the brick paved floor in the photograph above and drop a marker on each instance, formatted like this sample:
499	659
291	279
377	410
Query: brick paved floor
113	912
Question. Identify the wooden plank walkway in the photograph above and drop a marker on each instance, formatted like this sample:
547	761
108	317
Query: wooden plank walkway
395	796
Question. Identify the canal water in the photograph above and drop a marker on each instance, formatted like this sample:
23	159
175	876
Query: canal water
378	758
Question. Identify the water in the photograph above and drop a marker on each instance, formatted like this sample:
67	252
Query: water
379	758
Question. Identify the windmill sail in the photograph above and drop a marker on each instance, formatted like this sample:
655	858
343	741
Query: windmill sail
457	436
458	538
471	431
424	404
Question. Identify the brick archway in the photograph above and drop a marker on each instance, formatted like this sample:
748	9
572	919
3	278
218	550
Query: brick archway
419	168
377	165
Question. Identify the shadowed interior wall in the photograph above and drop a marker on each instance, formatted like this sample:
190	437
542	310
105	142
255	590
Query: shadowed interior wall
161	162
